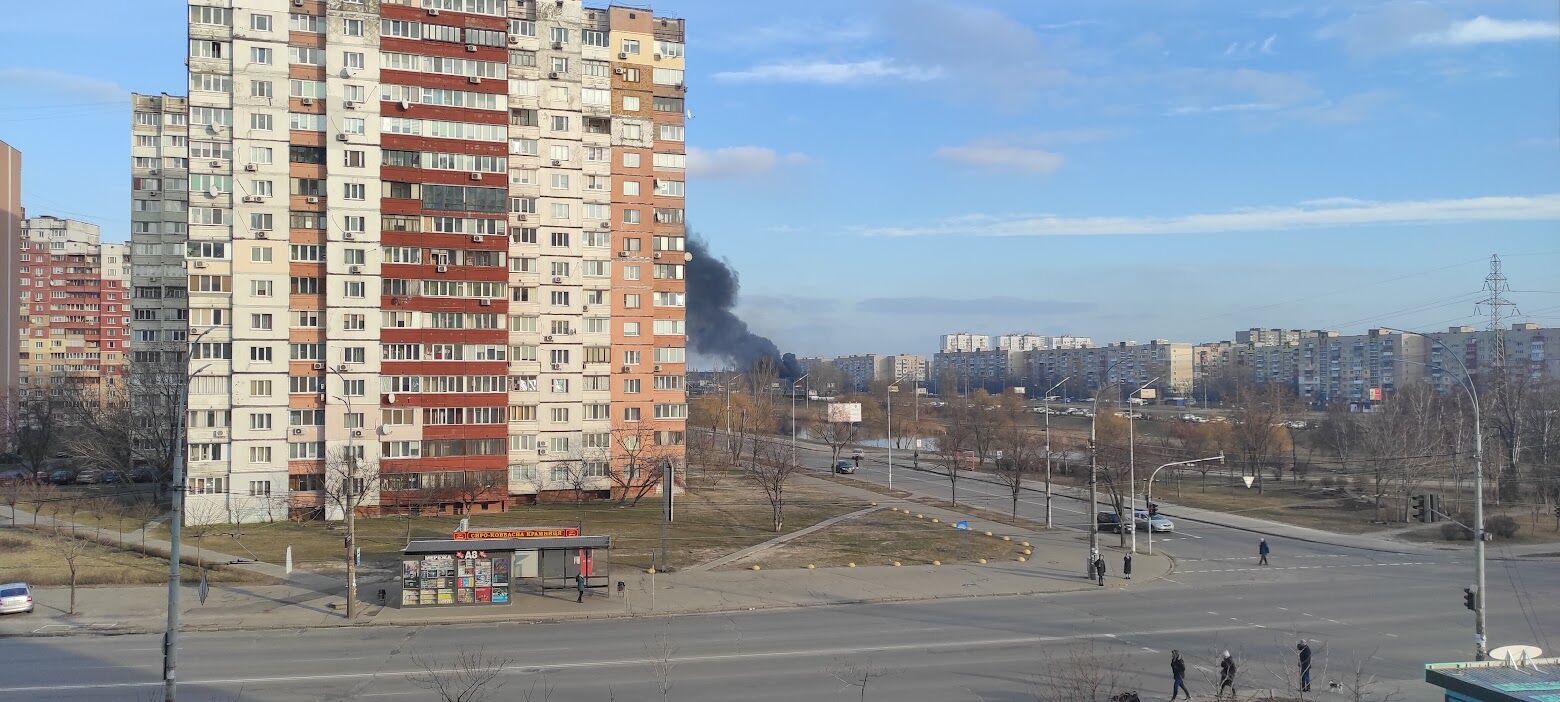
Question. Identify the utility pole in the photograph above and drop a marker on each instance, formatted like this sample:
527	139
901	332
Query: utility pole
1094	459
1045	404
176	484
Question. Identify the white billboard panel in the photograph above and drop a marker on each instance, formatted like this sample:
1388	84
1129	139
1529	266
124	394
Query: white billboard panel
845	412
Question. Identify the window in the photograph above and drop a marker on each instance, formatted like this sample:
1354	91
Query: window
260	455
666	76
630	103
631	329
352	27
593	37
630	159
354	159
353	388
630	46
260	288
259	388
630	187
670	132
260	254
260	354
354	288
259	421
633	132
669	49
632	216
260	55
671	161
261	122
353	125
560	123
667	104
560	35
631	385
632	414
260	322
354	191
352	60
670	188
260	89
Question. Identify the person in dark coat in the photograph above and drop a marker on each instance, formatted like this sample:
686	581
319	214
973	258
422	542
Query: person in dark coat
1126	566
1099	570
1305	665
1227	675
1178	671
1263	551
579	586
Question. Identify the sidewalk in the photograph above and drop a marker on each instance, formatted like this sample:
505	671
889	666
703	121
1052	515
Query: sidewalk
311	601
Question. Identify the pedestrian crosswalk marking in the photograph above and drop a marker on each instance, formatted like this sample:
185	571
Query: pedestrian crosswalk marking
1256	569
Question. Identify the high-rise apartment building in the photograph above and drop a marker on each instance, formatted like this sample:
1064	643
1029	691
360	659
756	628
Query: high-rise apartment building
1020	342
1359	370
1160	364
959	342
159	222
445	236
74	307
1532	354
10	254
910	367
1268	337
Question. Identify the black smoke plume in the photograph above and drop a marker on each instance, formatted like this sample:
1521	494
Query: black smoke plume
713	329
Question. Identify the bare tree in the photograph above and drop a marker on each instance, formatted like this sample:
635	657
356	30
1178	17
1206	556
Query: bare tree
1361	685
662	654
350	483
981	415
835	435
1259	433
37	422
136	423
1017	446
642	461
70	550
1084	673
471	676
955	442
769	467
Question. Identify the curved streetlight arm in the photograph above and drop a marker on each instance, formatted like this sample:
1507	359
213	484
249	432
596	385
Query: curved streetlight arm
1149	493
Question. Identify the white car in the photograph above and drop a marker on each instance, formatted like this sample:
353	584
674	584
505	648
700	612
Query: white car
15	597
1158	523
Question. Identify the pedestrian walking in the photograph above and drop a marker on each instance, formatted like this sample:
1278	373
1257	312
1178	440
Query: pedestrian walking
1099	570
1126	566
1088	568
1305	665
579	586
1227	675
1263	551
1178	671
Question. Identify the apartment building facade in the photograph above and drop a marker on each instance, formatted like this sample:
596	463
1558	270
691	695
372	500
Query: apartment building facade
1532	355
11	216
967	371
1164	365
159	224
964	342
860	371
1358	370
910	367
473	281
74	307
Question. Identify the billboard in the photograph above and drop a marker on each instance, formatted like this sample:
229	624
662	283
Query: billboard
1148	393
845	412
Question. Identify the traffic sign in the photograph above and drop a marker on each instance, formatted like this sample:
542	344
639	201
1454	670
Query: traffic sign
1249	479
962	524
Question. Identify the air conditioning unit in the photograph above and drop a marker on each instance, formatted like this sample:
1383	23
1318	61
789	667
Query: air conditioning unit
557	280
474	80
262	234
219	434
622	56
312	199
319	366
520	217
606	225
619	71
250	168
471	47
354	269
658	369
405	104
357	432
627	369
622	254
250	198
349	105
476	176
307	101
476	238
541	450
341	137
552	75
657	254
556	163
433	12
485	302
297	3
200	264
557	366
298	431
442	268
349	236
557	46
514	39
547	339
658	57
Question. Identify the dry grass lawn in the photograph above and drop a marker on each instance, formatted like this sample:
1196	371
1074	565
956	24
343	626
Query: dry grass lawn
711	521
880	538
33	556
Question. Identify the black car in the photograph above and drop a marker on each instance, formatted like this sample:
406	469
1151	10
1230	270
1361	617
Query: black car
62	477
845	467
1111	522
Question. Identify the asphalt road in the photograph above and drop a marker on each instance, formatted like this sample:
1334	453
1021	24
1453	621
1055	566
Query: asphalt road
1390	613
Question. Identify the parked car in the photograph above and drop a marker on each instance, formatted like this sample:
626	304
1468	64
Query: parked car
63	476
15	598
88	477
1111	522
113	476
144	475
844	467
1157	523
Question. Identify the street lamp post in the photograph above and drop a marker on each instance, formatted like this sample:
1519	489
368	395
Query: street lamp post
1466	380
175	526
1045	404
1094	463
1149	498
349	500
1132	464
793	418
888	396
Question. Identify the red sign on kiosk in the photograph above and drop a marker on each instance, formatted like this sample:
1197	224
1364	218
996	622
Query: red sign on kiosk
543	532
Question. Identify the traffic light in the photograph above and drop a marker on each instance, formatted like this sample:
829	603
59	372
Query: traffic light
1420	513
1471	599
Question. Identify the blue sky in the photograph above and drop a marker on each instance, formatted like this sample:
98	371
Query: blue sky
882	172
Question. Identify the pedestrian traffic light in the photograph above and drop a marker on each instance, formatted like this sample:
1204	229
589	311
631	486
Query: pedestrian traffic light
1470	599
1420	513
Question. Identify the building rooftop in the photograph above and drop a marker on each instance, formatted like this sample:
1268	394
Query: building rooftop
1497	681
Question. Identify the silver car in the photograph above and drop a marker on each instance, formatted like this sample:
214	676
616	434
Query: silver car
14	598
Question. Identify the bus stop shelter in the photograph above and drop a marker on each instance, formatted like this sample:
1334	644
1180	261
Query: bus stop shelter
491	567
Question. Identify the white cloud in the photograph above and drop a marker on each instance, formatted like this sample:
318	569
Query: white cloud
738	161
831	72
1003	157
23	81
1267	44
1185	110
1483	30
1329	213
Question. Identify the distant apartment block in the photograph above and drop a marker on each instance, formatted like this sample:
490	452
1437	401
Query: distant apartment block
1358	370
1037	342
909	367
11	215
860	371
963	342
74	309
1164	365
1268	337
966	371
1532	354
159	223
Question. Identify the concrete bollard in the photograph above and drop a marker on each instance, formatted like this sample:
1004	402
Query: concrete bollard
1027	552
1021	559
811	566
936	520
852	564
1007	538
650	571
988	533
936	563
983	561
896	564
755	566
